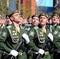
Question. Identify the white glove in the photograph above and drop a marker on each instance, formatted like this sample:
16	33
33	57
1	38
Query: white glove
14	53
41	51
25	36
50	36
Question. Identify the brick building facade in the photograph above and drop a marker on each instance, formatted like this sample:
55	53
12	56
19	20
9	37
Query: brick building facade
29	7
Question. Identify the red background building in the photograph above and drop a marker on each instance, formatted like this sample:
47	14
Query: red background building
29	7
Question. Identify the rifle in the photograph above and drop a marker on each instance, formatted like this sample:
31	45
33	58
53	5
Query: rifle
44	46
24	38
18	47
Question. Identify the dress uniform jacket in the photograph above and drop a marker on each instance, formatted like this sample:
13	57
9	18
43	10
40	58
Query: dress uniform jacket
56	33
37	37
56	41
9	40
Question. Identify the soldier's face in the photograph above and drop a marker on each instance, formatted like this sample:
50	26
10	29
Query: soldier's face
55	19
50	21
30	20
35	21
16	17
43	20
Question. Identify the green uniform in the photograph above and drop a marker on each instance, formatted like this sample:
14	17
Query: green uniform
9	40
37	38
56	34
28	27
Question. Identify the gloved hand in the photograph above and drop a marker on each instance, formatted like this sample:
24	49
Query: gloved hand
13	53
41	51
50	36
26	38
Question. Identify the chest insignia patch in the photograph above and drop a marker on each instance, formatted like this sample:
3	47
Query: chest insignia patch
41	37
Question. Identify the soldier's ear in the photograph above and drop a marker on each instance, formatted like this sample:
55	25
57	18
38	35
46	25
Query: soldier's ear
47	20
11	18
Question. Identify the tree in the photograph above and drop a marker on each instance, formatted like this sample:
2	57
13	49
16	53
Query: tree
3	7
57	6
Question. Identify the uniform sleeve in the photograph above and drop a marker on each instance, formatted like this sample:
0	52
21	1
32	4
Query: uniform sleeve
32	36
3	36
57	38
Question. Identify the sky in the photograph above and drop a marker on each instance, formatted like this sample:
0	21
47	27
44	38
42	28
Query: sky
48	3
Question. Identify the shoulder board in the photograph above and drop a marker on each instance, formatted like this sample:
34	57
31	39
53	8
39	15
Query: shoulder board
51	25
36	27
59	27
9	26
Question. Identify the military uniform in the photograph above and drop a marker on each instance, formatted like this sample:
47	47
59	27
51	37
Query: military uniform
28	27
56	34
9	39
37	38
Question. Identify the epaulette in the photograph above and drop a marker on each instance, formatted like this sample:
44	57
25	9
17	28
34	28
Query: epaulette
59	27
9	26
36	27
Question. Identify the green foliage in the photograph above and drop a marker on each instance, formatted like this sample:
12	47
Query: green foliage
3	7
57	10
25	11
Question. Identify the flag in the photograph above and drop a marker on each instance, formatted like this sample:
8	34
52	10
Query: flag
45	6
46	3
12	6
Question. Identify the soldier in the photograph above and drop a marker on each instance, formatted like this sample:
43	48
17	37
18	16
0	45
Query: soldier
28	25
38	38
59	20
8	21
10	37
35	20
56	33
